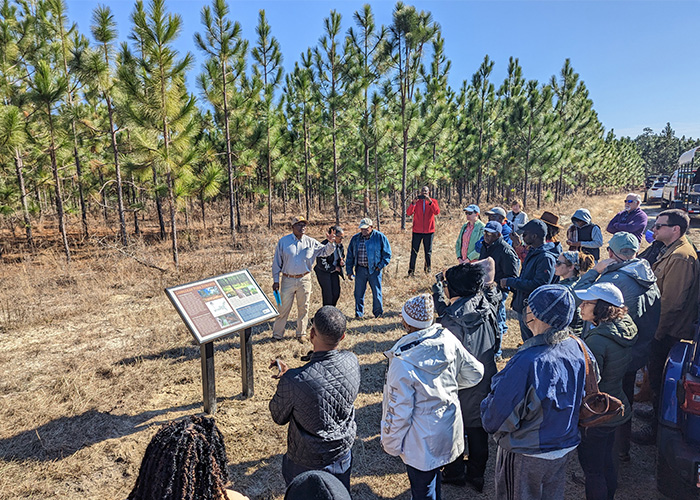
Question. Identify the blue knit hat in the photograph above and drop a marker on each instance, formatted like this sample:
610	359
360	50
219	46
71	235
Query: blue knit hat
553	304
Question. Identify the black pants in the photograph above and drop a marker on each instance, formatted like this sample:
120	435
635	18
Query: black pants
595	452
657	361
330	287
624	431
478	443
427	239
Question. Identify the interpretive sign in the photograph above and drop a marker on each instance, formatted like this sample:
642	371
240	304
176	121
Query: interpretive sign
215	307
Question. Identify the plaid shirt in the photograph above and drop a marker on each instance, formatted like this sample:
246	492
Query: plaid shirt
362	253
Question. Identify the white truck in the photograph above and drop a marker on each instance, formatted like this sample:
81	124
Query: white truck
683	189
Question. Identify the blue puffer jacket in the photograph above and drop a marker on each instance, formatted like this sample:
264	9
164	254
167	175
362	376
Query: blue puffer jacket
538	270
534	402
378	252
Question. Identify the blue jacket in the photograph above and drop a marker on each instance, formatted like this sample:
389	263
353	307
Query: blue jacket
535	399
538	270
378	252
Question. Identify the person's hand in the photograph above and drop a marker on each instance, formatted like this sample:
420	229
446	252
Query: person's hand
341	263
603	264
275	287
517	240
503	282
351	277
274	363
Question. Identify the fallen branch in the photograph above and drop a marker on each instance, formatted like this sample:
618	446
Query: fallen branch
137	259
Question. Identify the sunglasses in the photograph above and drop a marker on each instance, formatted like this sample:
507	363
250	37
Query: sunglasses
469	213
659	226
630	201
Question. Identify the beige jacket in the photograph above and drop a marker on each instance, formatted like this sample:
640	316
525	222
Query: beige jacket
678	274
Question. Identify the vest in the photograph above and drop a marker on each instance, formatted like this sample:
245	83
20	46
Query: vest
585	233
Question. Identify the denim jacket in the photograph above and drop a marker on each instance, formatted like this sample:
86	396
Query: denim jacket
378	252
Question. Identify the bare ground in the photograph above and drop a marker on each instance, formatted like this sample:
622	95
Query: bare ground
94	358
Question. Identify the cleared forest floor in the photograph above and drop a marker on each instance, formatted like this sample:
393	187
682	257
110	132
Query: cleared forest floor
94	358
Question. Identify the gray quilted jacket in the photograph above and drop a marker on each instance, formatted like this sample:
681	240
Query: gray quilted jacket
317	400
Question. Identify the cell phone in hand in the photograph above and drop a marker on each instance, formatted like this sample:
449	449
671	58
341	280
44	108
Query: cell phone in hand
440	277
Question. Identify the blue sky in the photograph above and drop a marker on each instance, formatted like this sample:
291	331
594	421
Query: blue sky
637	58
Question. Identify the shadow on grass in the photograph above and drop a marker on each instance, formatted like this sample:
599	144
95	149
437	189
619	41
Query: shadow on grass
192	351
64	436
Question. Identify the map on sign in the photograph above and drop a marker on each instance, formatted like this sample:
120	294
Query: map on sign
215	307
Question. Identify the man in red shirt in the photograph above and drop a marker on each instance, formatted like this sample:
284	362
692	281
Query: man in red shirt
423	209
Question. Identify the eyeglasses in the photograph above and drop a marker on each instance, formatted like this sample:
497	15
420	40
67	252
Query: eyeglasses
469	213
659	226
630	201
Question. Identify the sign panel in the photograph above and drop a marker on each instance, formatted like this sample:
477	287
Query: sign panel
216	307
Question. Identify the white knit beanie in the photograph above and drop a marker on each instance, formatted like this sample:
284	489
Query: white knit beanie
419	311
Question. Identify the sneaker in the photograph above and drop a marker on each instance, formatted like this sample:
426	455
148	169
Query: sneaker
646	414
645	436
498	358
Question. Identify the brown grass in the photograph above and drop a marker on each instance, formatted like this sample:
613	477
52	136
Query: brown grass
94	358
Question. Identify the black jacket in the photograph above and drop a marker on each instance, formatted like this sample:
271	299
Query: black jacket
317	400
507	262
538	270
325	264
473	321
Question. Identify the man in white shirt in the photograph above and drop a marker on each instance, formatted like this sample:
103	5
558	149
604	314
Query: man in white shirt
295	255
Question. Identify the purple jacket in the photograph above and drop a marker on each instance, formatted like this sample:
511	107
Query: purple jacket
634	222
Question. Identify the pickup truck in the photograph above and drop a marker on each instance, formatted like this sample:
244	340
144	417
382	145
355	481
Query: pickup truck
678	436
683	189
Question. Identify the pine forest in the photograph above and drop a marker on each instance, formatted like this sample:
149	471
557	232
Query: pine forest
95	134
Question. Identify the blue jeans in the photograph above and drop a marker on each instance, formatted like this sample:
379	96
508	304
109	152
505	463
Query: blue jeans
425	485
502	325
341	469
362	277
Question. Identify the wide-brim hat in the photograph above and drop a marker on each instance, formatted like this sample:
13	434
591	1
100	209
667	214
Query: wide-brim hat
550	219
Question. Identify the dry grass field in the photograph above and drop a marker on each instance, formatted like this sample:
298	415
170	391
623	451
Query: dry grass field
94	358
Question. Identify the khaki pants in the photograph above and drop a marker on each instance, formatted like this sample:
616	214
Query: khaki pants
289	287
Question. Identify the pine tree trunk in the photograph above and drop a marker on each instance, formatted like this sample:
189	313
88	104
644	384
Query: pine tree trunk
19	165
59	195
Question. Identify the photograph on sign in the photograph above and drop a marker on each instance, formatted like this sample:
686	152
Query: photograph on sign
215	307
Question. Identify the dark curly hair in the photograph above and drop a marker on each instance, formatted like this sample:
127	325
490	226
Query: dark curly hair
605	312
465	280
185	460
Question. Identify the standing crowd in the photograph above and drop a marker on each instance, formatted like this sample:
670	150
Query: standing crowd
590	317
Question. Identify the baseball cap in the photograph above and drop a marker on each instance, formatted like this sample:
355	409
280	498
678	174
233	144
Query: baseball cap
623	241
298	219
536	227
497	211
472	208
493	227
365	223
602	291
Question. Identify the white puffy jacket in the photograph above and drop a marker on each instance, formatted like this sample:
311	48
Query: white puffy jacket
421	417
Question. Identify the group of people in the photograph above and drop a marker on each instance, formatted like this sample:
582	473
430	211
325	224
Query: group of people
583	312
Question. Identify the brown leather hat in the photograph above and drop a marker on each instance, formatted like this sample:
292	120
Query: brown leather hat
550	219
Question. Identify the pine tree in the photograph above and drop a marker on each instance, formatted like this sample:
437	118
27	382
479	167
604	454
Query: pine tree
268	70
225	71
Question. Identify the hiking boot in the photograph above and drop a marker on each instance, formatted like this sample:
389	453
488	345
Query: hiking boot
646	414
645	436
